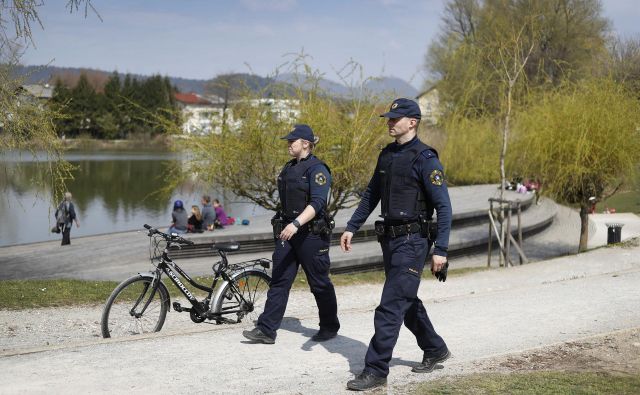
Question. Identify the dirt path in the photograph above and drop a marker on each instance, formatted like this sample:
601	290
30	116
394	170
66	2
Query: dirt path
617	352
483	316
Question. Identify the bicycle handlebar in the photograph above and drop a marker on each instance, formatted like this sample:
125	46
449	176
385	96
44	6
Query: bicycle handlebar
167	237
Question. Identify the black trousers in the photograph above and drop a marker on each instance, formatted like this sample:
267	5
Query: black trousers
66	234
404	260
312	253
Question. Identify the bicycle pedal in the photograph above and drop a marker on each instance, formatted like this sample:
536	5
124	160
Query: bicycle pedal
178	308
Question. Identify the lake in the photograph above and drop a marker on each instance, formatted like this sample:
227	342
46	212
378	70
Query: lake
112	192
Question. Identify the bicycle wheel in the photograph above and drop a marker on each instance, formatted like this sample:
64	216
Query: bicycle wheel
245	295
134	307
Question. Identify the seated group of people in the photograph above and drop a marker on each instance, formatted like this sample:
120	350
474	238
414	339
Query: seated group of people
210	217
521	186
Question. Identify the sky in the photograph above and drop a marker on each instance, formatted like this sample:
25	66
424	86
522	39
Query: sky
201	39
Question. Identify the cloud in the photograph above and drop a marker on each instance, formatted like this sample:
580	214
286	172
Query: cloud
269	5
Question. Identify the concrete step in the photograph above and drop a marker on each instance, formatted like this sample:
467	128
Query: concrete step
463	240
470	207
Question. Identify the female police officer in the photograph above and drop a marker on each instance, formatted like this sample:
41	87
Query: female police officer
302	235
409	180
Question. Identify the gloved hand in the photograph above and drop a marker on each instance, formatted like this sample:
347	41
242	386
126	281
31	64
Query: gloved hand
441	275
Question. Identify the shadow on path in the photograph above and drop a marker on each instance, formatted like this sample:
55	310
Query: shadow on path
352	350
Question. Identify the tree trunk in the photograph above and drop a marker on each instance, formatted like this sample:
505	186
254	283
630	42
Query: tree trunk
584	227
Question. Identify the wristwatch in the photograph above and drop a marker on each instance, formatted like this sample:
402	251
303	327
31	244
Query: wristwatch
296	223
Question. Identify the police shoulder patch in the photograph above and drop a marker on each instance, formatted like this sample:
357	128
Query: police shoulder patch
320	179
436	177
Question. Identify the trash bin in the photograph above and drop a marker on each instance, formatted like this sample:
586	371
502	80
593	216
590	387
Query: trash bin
614	233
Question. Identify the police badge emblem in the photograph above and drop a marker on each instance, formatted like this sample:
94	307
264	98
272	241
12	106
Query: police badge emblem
394	105
321	179
436	177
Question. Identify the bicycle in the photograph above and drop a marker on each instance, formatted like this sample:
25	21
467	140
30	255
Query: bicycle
140	303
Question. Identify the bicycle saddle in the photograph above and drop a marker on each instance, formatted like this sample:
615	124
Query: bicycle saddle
226	247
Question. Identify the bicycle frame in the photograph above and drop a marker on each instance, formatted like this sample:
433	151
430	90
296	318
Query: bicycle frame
167	265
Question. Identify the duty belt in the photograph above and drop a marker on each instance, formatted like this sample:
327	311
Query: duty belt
396	230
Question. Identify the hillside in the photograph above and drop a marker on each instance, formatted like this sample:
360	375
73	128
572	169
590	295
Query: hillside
379	86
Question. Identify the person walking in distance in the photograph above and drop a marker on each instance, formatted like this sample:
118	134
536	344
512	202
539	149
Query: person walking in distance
65	216
302	231
409	180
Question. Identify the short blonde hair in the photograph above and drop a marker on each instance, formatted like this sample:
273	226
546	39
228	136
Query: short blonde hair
312	144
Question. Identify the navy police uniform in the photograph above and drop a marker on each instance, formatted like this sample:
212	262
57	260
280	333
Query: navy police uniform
409	179
302	183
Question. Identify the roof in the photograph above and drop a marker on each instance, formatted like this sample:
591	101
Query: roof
431	88
191	98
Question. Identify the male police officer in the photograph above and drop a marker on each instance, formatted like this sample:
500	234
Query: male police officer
302	232
409	180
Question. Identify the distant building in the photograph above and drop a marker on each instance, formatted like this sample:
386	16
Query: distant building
200	114
41	92
429	102
204	114
283	109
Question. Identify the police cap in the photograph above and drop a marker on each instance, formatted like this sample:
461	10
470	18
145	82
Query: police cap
300	131
403	108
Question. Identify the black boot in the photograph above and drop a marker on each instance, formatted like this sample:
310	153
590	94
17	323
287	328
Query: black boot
429	362
258	336
366	381
323	335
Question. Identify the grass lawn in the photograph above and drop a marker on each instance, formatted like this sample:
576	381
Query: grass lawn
25	294
623	202
543	382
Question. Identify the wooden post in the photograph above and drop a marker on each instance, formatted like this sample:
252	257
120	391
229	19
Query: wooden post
522	255
501	234
495	229
490	242
508	239
520	228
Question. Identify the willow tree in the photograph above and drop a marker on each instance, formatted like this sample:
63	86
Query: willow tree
623	64
25	123
248	154
491	54
565	36
580	141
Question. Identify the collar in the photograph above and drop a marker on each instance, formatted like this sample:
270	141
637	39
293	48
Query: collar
403	147
303	159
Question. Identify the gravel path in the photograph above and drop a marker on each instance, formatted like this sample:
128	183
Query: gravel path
481	315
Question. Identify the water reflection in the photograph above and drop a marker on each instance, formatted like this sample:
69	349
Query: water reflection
121	185
112	192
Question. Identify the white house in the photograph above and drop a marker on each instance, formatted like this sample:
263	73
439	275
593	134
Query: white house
284	109
200	113
429	102
204	114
